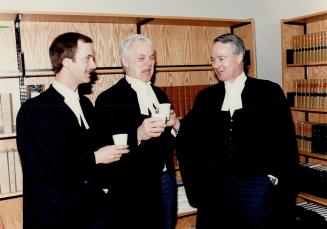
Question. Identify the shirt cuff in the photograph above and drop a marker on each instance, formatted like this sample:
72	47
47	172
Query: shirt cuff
173	132
273	179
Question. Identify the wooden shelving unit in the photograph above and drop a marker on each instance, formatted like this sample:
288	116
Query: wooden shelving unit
310	29
314	199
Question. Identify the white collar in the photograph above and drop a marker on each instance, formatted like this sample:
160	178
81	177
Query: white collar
72	101
237	83
145	95
233	91
136	82
65	91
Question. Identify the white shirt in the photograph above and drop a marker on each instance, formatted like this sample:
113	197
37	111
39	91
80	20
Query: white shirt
145	95
72	101
233	91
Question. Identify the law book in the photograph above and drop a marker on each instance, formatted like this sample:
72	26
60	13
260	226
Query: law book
4	173
18	171
324	95
314	179
1	118
6	108
12	172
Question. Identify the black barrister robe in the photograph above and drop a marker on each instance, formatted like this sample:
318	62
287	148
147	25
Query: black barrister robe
134	182
258	140
58	162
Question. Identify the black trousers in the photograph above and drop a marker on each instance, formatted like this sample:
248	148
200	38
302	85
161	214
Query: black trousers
240	202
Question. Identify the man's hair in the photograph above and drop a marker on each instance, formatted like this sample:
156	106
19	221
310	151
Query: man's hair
125	45
237	42
64	46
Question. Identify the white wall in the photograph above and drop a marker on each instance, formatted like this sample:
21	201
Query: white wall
267	15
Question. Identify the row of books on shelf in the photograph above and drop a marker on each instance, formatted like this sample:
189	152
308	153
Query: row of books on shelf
182	97
314	179
310	93
311	137
311	47
11	177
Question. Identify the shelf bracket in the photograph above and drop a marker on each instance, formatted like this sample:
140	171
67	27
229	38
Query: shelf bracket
20	58
143	22
237	26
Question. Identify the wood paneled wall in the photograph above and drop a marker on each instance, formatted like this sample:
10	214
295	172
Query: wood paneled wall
37	37
8	65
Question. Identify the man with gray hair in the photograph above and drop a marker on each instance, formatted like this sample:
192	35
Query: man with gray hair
135	195
237	149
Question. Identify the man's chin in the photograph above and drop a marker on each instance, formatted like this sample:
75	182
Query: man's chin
147	77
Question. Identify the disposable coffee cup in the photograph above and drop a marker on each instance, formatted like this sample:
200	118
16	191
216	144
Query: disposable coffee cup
164	111
120	139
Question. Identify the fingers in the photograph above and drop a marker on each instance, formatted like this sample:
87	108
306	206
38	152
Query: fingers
172	118
151	127
110	153
118	149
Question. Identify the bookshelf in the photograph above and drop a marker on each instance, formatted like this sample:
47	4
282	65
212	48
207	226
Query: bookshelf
304	75
183	47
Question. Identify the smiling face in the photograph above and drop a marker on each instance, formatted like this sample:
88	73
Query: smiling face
139	63
226	64
82	65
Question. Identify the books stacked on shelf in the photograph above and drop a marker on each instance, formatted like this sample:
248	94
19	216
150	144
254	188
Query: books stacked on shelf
303	131
311	137
311	94
6	113
182	97
11	177
314	179
314	207
310	48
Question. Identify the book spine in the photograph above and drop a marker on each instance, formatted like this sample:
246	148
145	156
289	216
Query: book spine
18	171
6	107
4	173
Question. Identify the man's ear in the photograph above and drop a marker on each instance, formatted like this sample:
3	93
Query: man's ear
124	62
66	62
240	58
